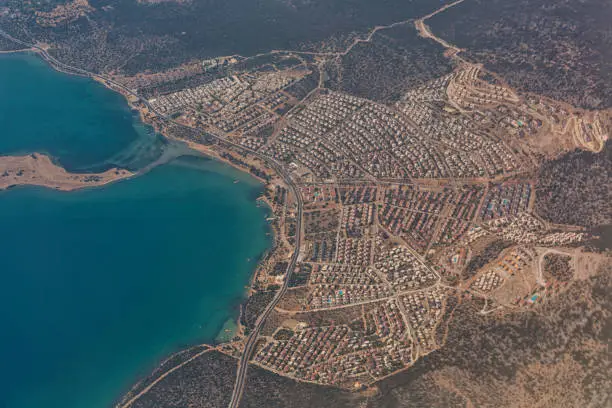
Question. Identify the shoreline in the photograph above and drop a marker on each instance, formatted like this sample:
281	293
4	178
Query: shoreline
38	169
402	218
213	152
207	307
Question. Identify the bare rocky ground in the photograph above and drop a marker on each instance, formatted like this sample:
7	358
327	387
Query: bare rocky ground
555	355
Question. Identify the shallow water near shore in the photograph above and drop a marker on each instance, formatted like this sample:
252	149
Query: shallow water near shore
99	285
75	120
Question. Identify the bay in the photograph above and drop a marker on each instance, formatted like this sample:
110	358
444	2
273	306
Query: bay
98	285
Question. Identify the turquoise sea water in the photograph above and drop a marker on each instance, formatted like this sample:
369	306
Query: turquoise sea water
83	125
98	285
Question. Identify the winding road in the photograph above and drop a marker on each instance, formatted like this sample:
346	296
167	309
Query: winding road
540	272
252	339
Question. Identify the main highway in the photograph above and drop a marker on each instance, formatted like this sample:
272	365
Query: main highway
251	341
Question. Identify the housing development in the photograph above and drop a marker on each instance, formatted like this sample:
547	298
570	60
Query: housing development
398	212
406	208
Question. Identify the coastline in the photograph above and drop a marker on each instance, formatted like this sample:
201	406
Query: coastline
415	213
171	219
221	152
215	152
240	330
39	170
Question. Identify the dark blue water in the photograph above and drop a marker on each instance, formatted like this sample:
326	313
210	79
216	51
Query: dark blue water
98	285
